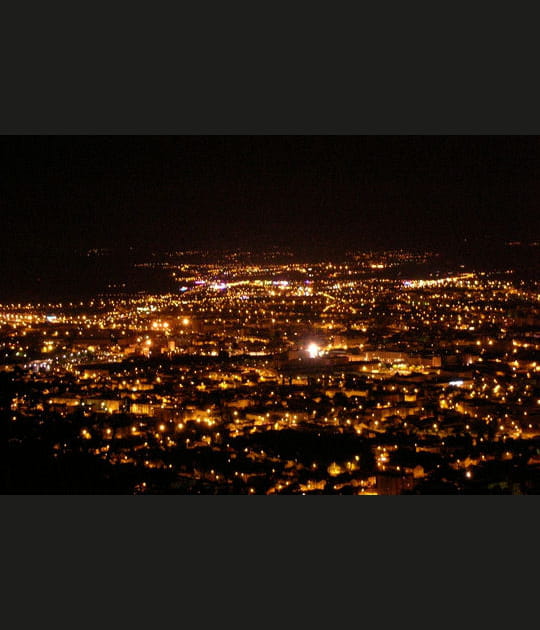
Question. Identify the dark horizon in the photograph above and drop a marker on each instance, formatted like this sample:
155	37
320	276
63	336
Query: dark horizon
65	193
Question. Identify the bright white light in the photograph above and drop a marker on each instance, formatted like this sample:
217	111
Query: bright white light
313	350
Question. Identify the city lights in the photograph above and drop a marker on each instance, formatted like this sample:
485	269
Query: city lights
446	369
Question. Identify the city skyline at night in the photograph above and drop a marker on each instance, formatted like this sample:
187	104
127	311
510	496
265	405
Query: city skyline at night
271	314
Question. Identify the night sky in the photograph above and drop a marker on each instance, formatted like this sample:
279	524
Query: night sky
162	192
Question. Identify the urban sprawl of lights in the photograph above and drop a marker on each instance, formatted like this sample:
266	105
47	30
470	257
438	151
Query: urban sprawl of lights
261	378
